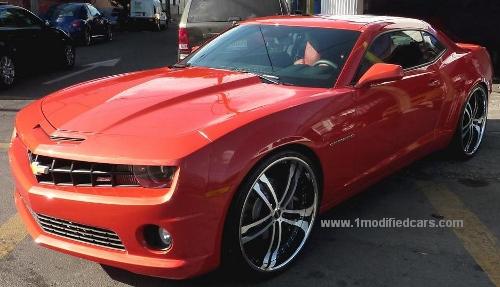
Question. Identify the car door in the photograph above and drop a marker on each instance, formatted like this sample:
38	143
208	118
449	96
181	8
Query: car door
399	117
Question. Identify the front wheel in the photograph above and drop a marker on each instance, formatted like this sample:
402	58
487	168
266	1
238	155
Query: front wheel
471	127
157	25
7	71
272	215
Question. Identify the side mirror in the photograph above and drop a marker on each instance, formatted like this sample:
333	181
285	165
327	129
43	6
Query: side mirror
380	73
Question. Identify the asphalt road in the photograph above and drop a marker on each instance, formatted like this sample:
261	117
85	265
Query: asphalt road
435	187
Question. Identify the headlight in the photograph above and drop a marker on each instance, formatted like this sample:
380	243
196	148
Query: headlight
154	176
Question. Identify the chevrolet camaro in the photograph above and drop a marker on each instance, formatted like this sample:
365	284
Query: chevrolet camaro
227	157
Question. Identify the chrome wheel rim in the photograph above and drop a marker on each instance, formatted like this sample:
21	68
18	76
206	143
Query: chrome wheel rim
8	70
474	121
70	55
278	214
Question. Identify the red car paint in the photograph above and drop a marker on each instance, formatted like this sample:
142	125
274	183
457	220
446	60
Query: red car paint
215	125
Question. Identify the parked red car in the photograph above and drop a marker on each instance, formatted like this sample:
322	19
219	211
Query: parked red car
229	155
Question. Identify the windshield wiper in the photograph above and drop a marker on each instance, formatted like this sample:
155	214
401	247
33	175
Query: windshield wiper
266	77
181	65
270	78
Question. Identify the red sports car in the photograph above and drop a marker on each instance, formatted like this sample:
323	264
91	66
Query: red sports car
230	155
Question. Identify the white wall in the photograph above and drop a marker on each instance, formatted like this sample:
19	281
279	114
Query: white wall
341	7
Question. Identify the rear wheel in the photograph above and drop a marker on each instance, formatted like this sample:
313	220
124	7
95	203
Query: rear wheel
470	130
272	215
87	38
7	71
109	33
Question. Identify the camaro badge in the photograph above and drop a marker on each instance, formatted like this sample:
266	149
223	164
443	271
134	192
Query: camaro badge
39	169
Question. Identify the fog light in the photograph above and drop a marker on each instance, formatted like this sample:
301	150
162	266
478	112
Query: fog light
165	236
157	238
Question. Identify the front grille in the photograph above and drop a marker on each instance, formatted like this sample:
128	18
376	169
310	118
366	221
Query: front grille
79	232
55	171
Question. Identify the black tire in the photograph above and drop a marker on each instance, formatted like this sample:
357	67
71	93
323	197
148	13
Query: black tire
157	25
236	257
471	126
109	33
8	71
68	56
87	38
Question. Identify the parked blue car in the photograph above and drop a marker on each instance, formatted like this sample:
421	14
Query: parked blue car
81	21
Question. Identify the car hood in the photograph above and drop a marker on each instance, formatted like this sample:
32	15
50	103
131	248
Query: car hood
166	103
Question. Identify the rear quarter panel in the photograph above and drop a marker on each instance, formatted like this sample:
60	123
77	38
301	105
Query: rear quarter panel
462	68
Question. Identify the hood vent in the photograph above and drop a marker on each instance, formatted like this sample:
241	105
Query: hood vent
61	139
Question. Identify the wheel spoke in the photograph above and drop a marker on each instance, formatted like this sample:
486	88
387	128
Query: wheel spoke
245	228
265	180
291	173
469	141
302	224
476	107
302	212
295	183
466	131
267	257
262	196
274	258
249	238
476	128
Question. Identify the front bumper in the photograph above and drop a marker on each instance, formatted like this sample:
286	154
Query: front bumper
194	234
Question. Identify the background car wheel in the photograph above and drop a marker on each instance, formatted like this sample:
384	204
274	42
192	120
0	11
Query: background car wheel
7	71
87	38
471	127
165	26
68	57
272	215
109	34
157	25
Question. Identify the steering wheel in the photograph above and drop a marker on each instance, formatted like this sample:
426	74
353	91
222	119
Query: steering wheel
326	62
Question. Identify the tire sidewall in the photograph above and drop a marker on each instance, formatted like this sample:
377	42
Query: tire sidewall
87	37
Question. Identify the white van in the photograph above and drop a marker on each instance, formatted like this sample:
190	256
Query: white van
151	12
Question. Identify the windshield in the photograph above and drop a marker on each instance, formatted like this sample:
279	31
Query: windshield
223	10
67	10
300	56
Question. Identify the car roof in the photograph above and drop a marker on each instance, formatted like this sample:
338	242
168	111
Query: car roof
348	22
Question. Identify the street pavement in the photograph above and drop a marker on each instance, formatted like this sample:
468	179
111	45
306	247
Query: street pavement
432	188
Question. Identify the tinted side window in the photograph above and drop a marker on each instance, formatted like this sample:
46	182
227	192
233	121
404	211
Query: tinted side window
84	13
230	10
432	47
93	11
7	19
20	19
405	48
